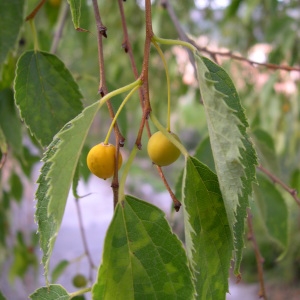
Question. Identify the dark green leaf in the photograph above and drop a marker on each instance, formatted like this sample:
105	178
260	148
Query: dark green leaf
204	154
142	258
207	232
11	20
2	296
16	187
52	292
10	122
46	94
273	210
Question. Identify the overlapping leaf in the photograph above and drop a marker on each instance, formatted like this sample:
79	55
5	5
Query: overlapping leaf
273	209
51	292
46	94
207	232
234	155
56	177
142	258
11	20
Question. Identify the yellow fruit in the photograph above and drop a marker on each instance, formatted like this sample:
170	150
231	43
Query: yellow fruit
79	281
101	160
162	151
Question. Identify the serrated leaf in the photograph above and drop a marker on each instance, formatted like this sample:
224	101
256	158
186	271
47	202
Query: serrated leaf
10	122
46	94
11	20
234	155
142	258
207	232
75	6
59	269
265	149
273	209
56	177
52	292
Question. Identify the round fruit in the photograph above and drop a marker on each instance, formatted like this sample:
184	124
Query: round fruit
101	160
161	150
79	281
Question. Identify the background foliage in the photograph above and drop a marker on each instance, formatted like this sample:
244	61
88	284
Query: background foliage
270	98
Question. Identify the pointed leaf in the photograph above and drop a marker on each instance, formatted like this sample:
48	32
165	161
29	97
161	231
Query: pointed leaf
142	258
56	177
75	6
59	269
273	210
11	20
234	155
207	233
46	94
51	292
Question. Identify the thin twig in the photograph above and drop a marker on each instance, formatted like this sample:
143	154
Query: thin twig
128	49
60	26
84	240
101	32
277	180
35	10
258	256
183	36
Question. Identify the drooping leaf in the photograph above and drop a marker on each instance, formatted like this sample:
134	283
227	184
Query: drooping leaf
56	177
265	149
51	292
11	20
75	6
234	155
10	122
59	269
273	209
46	94
142	258
208	238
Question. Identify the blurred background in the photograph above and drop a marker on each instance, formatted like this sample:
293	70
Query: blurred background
252	40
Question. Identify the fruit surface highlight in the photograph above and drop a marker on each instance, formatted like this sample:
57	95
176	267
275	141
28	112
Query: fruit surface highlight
101	160
161	150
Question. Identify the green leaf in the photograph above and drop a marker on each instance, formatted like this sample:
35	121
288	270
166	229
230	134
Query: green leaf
204	153
3	144
234	155
46	94
75	6
51	292
16	187
142	258
11	20
266	149
56	177
207	232
59	269
273	210
10	122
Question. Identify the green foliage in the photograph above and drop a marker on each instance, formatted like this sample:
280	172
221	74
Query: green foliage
233	153
46	94
142	258
51	292
59	269
11	16
208	238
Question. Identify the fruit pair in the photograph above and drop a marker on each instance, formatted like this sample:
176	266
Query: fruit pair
101	160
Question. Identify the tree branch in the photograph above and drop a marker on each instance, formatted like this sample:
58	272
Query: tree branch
258	256
277	180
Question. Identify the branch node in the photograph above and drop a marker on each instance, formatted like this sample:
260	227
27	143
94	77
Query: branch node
102	29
